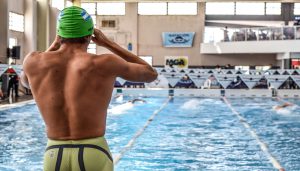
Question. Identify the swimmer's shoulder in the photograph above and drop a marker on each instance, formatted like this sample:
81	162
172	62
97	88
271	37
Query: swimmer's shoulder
109	60
31	56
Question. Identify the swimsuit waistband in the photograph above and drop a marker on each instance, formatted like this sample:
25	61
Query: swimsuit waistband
98	143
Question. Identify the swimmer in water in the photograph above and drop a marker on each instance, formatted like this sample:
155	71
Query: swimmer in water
284	105
73	88
136	100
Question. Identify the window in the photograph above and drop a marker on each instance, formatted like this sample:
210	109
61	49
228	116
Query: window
16	22
69	4
108	23
297	8
250	8
243	68
12	42
273	8
213	34
148	59
148	8
262	68
89	7
59	4
111	8
92	48
220	8
176	8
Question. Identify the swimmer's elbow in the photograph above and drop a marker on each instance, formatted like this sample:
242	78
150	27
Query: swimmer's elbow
151	76
24	81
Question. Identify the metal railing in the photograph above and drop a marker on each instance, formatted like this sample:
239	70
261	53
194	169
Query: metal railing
251	34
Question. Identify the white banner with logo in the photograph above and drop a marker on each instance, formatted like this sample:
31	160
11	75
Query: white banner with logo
176	62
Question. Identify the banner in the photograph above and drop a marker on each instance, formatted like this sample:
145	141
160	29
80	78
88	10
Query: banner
225	79
176	62
3	68
276	80
178	39
172	78
121	80
198	79
18	69
251	80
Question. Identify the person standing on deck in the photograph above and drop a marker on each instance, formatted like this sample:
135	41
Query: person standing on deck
72	102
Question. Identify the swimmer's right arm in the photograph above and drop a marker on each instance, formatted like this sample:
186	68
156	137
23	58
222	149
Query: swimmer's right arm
133	68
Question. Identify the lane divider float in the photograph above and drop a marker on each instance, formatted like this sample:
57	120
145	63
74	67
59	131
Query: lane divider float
130	144
261	144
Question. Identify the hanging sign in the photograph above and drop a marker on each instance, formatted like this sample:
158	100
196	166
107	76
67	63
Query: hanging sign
178	39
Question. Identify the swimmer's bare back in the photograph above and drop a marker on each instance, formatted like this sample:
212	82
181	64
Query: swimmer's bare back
73	89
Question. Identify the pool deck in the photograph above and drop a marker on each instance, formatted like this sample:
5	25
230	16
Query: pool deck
15	100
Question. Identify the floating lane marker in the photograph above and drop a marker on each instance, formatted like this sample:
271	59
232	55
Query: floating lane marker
130	144
262	145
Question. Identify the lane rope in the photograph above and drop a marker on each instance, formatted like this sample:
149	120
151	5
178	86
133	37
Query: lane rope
130	144
261	144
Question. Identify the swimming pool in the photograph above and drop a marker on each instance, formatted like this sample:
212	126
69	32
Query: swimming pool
187	134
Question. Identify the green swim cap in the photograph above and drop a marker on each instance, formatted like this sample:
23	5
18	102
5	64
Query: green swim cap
74	22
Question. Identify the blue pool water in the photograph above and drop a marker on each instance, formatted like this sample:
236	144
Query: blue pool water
188	134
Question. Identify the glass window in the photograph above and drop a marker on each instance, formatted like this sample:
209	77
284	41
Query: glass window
219	8
111	8
12	42
243	68
148	59
273	8
250	8
92	48
262	68
297	8
59	4
148	8
69	4
213	34
89	7
16	22
176	8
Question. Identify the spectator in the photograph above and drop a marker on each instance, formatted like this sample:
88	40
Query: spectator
13	84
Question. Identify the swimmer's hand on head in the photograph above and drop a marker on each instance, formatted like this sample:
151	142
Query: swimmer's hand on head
100	39
133	68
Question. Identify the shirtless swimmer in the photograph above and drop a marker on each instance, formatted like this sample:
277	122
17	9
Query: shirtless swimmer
73	88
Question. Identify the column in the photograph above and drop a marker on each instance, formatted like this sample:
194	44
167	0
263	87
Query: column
43	25
3	29
30	42
77	3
